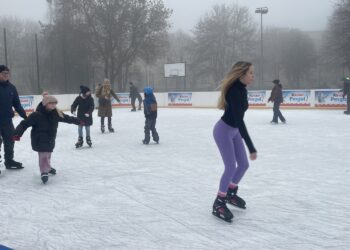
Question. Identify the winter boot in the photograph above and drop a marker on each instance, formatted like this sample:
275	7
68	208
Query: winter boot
110	129
11	164
133	110
52	171
102	128
44	177
88	141
80	142
220	209
234	199
145	142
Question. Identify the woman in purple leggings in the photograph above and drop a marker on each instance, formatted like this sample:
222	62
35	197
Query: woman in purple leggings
228	133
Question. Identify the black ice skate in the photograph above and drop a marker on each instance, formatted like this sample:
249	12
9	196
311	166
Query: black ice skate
145	142
88	141
234	199
220	209
102	128
52	171
44	177
80	142
110	129
11	164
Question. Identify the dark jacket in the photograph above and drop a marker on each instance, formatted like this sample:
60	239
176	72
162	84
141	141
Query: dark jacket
9	98
276	94
150	106
346	89
134	92
44	125
85	106
237	104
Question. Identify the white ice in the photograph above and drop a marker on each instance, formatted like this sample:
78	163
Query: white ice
121	194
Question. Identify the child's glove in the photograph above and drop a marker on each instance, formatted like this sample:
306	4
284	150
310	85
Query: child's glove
16	138
87	115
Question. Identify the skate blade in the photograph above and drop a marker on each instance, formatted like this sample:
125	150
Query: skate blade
235	205
221	218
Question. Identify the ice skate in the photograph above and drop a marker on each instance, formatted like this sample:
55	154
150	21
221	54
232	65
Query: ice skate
52	171
220	209
44	177
234	199
88	141
80	142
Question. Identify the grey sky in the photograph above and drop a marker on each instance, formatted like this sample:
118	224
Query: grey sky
301	14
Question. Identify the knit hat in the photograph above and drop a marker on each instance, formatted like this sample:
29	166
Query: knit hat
148	90
84	89
276	81
49	99
3	68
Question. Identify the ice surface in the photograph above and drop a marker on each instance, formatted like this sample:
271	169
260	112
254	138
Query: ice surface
121	194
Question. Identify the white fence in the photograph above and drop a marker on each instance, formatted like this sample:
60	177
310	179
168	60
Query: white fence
318	98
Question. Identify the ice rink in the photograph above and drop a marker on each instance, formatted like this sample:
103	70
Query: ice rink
121	194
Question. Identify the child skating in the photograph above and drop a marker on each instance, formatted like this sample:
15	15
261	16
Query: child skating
228	133
85	105
150	111
44	122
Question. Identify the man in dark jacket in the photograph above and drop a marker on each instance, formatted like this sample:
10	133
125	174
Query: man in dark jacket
9	99
277	98
346	92
134	93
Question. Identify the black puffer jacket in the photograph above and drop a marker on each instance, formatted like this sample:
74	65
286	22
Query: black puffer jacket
85	106
44	129
9	98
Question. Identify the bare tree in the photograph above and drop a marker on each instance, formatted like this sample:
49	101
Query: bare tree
119	31
224	35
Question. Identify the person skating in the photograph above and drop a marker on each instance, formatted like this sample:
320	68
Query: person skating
134	94
228	133
44	122
85	105
9	99
346	93
277	98
104	94
150	111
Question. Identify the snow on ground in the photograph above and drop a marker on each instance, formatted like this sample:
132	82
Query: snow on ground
121	194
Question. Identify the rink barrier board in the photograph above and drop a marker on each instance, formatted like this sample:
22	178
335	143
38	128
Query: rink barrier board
326	99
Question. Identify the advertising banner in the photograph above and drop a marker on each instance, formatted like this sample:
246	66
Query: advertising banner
297	98
27	102
329	98
124	100
179	99
257	98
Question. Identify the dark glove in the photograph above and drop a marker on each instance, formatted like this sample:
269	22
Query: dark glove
16	138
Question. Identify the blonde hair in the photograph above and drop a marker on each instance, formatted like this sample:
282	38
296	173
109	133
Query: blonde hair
106	87
238	70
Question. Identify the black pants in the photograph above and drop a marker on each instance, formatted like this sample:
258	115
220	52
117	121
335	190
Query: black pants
277	113
109	121
150	125
7	131
348	102
133	99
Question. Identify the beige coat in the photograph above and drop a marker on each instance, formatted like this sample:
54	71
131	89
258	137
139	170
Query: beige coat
104	94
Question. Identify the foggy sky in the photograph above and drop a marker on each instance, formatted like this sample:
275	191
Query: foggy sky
302	14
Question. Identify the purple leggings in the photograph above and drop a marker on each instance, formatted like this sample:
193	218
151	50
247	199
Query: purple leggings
231	147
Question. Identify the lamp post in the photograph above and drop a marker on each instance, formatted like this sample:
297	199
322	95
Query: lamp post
261	11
